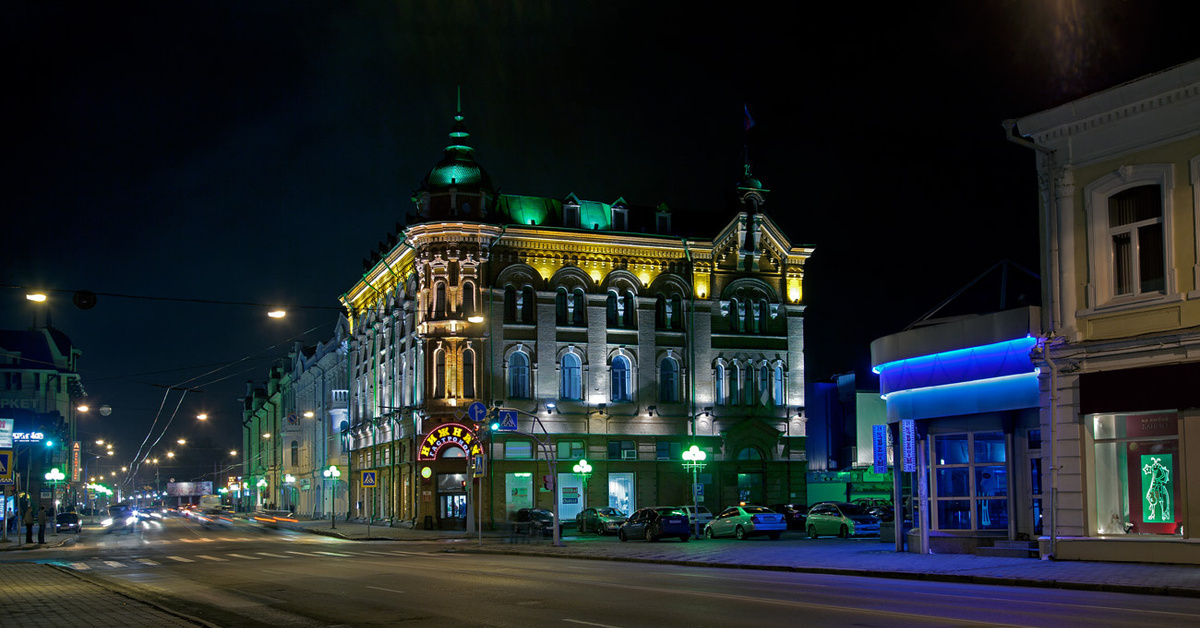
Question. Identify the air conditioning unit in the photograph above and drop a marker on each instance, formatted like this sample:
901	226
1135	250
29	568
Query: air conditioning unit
628	454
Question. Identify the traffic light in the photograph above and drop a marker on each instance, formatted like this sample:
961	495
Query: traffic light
548	482
495	426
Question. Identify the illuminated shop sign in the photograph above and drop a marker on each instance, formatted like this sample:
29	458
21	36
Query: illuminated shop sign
28	437
448	435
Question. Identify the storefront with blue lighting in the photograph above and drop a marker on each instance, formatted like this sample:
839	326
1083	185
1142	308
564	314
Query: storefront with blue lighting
964	394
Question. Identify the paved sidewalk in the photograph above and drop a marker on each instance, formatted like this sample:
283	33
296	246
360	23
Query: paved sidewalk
858	557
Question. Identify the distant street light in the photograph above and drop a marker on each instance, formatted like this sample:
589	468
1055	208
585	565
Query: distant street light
202	416
277	313
332	473
36	296
694	460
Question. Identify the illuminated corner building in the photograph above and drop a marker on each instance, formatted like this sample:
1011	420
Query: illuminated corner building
39	389
1119	173
644	341
966	389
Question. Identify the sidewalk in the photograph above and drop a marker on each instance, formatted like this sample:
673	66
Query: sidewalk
861	557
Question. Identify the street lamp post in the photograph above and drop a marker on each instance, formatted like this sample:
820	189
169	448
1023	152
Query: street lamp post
333	474
694	460
584	471
55	476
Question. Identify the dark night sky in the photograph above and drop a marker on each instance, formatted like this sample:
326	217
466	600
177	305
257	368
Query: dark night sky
257	151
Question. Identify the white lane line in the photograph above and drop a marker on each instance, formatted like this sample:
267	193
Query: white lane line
213	558
114	564
80	566
147	561
589	623
331	554
244	556
380	553
301	553
383	589
181	559
272	555
398	553
277	573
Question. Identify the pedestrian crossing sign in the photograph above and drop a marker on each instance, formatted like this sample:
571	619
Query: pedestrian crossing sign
368	479
6	464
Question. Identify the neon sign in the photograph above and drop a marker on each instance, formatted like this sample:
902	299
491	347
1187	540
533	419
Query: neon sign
28	437
448	435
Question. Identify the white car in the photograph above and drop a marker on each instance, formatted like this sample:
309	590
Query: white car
702	515
743	522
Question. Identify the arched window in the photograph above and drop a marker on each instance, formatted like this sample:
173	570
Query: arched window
748	385
748	312
510	304
675	312
629	313
439	374
468	298
468	374
571	386
518	376
777	385
764	316
719	396
560	307
439	300
750	453
735	319
764	381
295	453
610	310
620	379
527	305
579	316
735	382
660	312
668	381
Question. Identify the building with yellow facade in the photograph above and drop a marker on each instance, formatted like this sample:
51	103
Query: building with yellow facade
1120	361
627	343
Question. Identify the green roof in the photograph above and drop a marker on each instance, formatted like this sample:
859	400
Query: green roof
536	210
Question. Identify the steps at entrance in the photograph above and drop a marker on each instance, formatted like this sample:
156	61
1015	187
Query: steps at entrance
1010	549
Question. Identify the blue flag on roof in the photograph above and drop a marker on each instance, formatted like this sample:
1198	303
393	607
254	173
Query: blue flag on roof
748	122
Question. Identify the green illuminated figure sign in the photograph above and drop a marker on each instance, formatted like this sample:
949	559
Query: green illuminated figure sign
1156	481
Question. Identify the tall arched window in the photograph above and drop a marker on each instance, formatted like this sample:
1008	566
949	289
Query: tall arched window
518	376
620	379
560	307
777	385
468	374
579	316
571	386
764	316
510	304
668	382
675	312
629	312
527	305
735	319
610	310
749	315
748	385
660	312
439	300
468	298
439	374
719	396
764	381
735	383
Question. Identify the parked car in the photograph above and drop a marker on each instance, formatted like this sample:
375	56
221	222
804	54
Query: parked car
653	524
68	522
702	515
599	520
794	514
842	519
743	522
879	508
538	519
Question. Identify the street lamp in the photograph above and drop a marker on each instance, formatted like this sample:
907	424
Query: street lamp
332	473
55	476
694	460
288	479
584	471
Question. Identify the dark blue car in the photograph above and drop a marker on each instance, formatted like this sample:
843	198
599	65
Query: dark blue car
653	524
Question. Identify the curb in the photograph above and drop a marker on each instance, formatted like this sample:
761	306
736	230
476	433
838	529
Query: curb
871	573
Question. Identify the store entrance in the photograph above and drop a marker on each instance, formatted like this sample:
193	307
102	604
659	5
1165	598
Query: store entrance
452	501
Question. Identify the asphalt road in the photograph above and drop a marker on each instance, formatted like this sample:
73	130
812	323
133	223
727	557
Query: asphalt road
245	576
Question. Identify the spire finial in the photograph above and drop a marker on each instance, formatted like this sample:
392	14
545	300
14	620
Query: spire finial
459	108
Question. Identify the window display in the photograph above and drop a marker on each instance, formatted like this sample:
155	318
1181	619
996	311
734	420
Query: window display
1137	460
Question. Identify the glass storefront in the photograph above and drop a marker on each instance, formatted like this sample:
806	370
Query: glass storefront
621	492
518	492
970	482
1137	460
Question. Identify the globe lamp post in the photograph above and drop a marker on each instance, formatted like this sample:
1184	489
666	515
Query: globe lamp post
332	473
693	459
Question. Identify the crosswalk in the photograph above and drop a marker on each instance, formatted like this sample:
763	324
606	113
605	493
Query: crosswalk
101	564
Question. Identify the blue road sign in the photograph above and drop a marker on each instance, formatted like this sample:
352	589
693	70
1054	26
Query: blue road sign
6	464
507	420
368	479
477	412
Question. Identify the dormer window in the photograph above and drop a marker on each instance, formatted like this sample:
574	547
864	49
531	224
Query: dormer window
620	219
571	216
663	222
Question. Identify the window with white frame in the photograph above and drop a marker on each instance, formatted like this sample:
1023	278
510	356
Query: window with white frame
571	387
621	389
518	376
1129	221
668	380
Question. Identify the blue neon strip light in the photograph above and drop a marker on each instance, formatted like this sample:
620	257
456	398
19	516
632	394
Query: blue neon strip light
1007	392
984	362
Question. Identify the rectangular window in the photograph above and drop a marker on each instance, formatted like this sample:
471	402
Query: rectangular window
668	450
1137	461
570	450
621	493
518	491
617	450
1135	224
518	450
970	481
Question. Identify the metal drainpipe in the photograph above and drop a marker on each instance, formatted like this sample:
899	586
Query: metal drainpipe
1051	252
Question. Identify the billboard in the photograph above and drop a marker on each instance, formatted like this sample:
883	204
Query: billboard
189	489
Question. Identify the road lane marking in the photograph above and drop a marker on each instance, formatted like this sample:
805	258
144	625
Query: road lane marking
147	561
80	566
272	555
331	554
277	573
114	564
589	623
301	553
181	559
213	558
380	553
244	556
383	589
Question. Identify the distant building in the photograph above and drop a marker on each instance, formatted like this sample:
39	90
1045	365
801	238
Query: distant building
629	344
841	415
1120	180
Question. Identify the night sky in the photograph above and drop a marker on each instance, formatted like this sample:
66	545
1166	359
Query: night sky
251	153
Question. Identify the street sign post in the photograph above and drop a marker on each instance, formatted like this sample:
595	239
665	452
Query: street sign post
477	412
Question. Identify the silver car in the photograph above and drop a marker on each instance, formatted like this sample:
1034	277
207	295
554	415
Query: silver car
841	519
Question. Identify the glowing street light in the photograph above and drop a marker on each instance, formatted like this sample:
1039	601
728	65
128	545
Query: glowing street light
37	297
332	473
694	460
584	471
202	416
277	313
